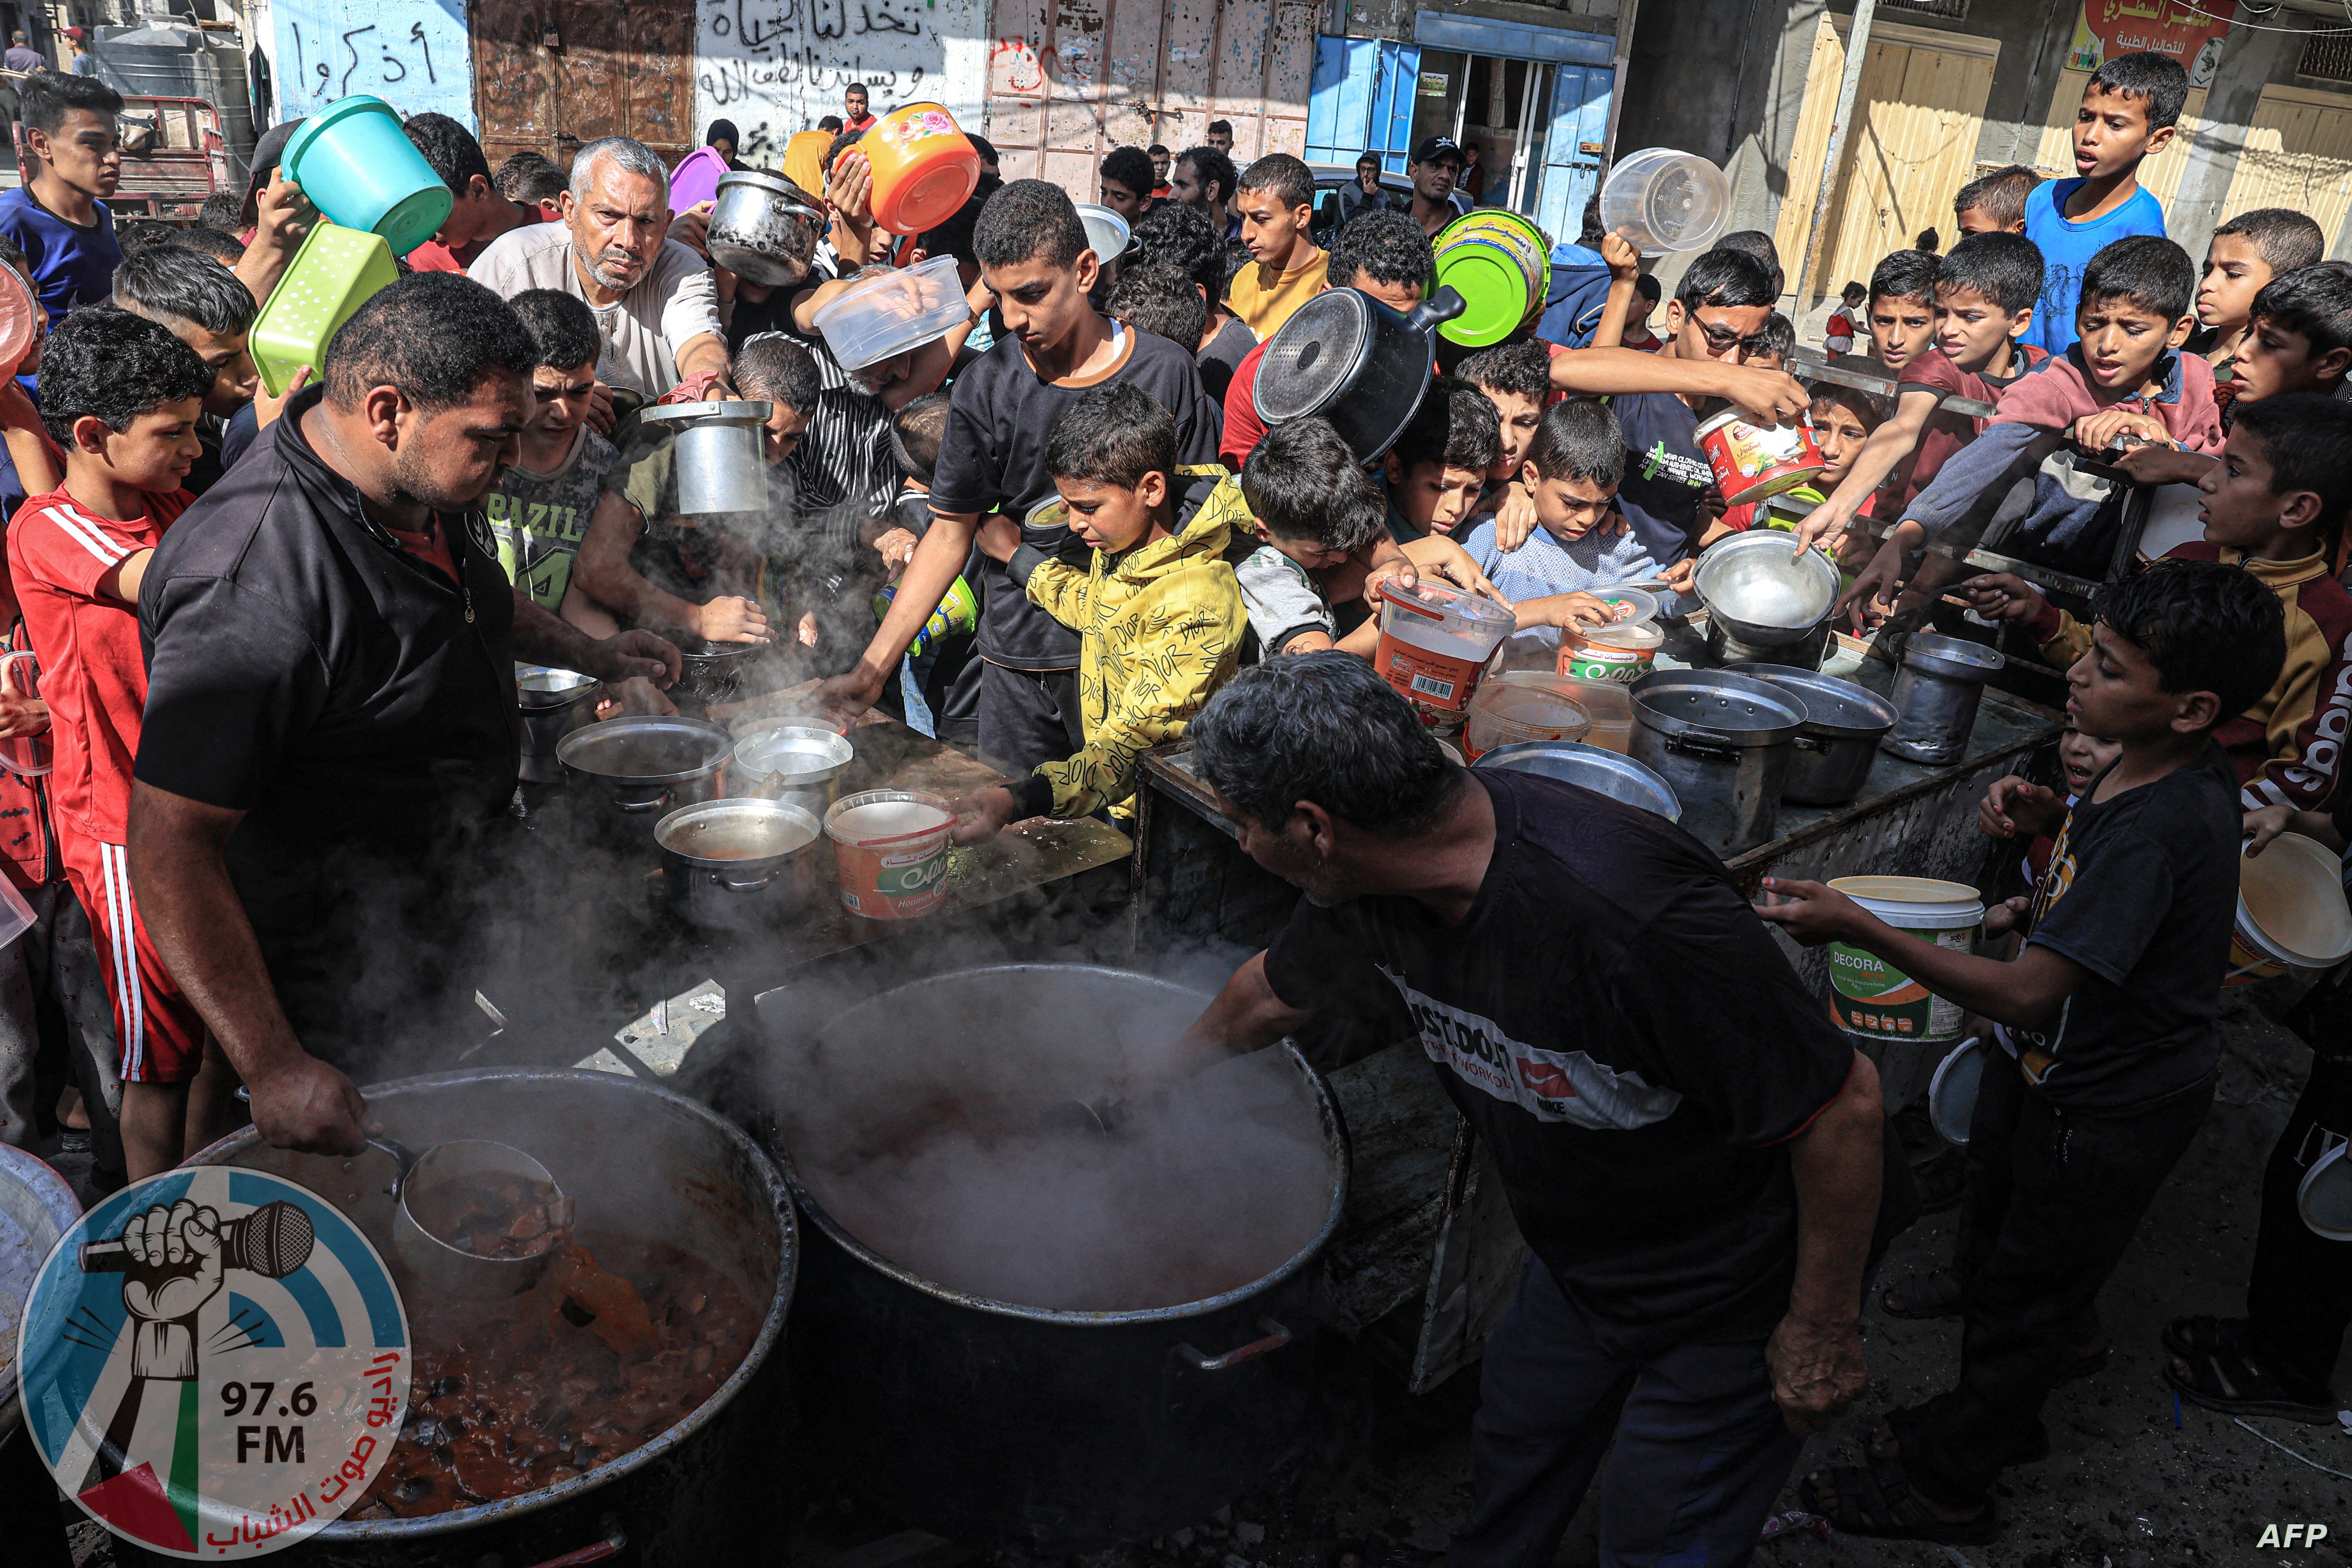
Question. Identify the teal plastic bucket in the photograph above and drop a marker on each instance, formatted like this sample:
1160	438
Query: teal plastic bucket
358	166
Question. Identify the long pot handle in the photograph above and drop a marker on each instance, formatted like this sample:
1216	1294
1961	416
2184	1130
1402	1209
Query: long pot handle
613	1542
1277	1336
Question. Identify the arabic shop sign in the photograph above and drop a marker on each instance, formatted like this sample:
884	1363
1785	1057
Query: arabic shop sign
2191	36
215	1363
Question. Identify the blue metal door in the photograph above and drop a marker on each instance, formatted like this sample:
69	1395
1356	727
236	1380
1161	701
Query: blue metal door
1573	141
1360	100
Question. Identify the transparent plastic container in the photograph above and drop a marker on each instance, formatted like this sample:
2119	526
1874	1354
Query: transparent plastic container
337	270
1662	200
875	319
1528	706
1434	643
1609	704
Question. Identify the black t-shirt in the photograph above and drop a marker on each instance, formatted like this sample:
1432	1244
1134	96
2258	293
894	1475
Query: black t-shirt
1615	1021
2142	890
993	458
1223	357
1665	473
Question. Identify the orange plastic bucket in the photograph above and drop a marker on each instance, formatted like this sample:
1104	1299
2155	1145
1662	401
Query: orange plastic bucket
924	166
890	852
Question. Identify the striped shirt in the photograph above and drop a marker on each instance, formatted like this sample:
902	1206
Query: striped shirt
843	463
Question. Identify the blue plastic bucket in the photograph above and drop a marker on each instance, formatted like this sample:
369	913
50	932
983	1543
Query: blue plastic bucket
357	165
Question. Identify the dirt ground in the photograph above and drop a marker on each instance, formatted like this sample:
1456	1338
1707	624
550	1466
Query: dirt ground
2124	1488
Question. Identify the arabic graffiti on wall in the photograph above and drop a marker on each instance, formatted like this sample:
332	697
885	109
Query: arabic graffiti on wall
2110	28
410	53
774	66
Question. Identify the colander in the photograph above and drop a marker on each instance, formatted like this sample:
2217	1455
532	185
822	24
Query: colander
337	270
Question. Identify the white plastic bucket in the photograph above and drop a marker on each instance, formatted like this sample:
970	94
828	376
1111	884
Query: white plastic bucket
1873	998
2292	912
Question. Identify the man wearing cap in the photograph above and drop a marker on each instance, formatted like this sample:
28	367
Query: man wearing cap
84	62
655	300
1436	164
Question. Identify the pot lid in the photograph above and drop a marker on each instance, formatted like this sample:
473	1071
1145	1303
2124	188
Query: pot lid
734	411
1835	708
1595	768
1954	656
738	833
644	748
1711	705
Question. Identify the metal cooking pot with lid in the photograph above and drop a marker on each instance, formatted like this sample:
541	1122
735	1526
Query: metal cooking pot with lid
1844	724
801	763
719	457
764	227
1723	744
738	863
1763	594
992	1422
1353	361
645	1160
640	766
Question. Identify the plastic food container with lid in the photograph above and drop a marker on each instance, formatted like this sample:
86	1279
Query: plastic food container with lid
337	270
1434	642
876	318
924	167
1501	266
1662	200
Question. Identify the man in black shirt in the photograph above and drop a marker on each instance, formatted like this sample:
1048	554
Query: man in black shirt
1034	258
1696	1156
329	728
2109	1011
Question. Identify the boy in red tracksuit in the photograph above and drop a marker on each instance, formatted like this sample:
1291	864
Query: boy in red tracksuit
123	396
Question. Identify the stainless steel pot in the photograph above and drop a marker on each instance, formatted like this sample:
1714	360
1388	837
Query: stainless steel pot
1936	692
1724	744
1844	724
1594	768
36	1209
636	768
1762	594
720	456
663	1166
739	864
998	1424
799	763
553	703
764	227
1724	649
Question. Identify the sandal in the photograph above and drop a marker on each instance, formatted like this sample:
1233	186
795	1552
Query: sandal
2212	1367
1878	1500
1935	1294
1943	1181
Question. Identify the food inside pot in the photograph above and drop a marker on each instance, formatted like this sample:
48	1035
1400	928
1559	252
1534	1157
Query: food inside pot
493	1215
586	1366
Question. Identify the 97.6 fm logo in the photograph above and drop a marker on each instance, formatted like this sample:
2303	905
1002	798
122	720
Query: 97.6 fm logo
215	1363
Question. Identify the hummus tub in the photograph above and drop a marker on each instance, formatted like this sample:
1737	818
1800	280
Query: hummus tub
2292	913
890	852
1622	653
1875	999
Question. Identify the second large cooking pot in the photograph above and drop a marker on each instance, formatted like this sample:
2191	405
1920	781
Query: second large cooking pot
764	227
1723	744
1048	1429
628	771
1346	357
1844	724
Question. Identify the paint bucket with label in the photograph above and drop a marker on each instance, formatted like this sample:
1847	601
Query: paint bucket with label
1871	997
1434	642
2292	912
1754	461
890	852
1501	266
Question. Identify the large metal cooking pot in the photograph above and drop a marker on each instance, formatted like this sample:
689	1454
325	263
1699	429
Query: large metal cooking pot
1844	724
720	456
764	227
637	767
553	703
1355	361
1760	593
739	864
1936	691
696	1495
1723	744
1595	768
995	1423
36	1208
801	763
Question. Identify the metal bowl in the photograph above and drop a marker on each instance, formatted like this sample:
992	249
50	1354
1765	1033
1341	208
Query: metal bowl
1764	595
1595	768
537	685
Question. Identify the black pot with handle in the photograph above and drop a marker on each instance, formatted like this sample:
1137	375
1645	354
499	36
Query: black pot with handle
1346	357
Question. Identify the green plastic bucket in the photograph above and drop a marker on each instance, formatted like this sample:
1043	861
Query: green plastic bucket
359	167
1501	266
334	273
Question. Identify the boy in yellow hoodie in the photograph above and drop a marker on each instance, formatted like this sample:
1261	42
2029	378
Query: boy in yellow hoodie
1158	611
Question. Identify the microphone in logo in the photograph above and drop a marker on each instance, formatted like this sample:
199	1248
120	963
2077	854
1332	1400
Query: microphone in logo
273	1241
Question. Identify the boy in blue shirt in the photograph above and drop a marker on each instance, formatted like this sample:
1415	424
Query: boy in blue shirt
1573	468
59	220
2129	112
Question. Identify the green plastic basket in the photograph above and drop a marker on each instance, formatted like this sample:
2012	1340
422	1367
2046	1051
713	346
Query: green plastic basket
330	277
